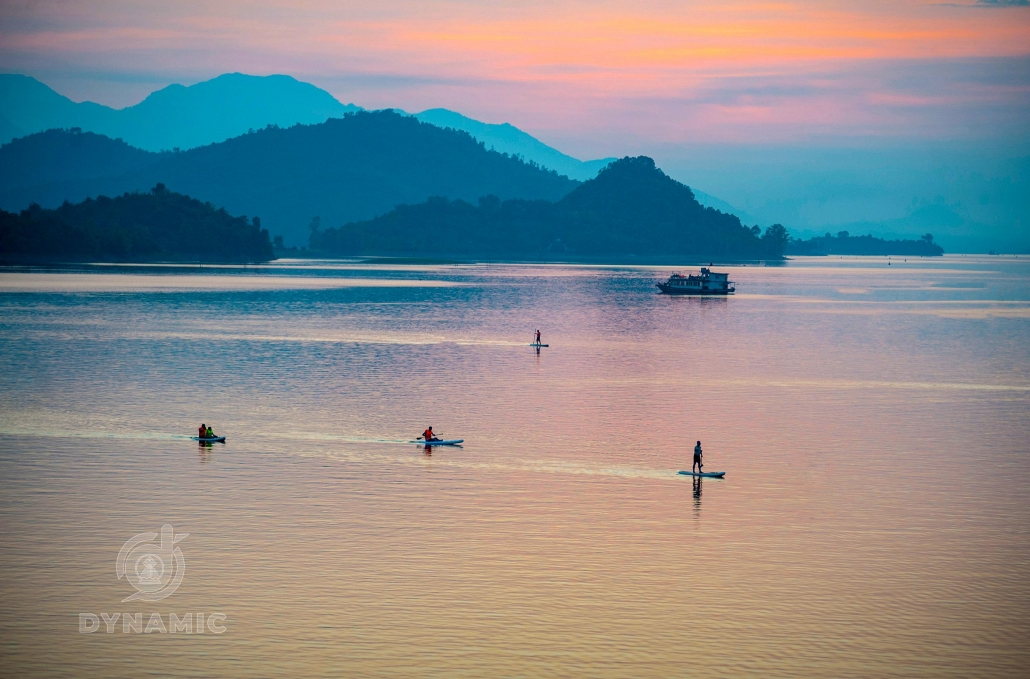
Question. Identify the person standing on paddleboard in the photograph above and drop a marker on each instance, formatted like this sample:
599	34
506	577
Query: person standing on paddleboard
538	337
697	458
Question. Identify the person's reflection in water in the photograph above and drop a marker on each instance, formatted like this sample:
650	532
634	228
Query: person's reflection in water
204	448
697	495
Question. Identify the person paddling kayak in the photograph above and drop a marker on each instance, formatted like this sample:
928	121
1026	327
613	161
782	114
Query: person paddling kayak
697	458
428	435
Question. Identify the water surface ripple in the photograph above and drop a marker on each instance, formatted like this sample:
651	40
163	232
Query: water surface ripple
872	420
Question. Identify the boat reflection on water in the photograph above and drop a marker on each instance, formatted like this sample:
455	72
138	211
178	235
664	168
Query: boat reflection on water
428	447
702	302
204	450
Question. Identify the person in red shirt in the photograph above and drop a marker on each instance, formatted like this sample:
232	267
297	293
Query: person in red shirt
202	431
429	435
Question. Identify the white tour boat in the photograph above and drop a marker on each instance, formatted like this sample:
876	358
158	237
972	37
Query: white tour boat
706	283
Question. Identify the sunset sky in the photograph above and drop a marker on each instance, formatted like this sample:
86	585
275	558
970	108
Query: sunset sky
593	78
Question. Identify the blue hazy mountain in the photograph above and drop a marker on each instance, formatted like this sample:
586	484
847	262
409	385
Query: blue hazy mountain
711	201
507	138
230	105
343	170
60	166
28	106
173	117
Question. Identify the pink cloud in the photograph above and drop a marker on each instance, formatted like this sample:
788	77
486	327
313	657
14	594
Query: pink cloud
666	71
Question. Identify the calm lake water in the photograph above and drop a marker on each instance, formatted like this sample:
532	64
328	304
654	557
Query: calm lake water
873	421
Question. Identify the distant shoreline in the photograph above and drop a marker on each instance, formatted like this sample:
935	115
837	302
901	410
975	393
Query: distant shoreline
699	260
29	265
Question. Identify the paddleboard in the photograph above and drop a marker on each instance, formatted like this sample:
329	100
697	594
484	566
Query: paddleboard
717	475
442	442
209	439
535	344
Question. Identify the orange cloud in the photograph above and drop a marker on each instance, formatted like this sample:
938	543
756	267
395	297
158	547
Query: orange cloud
544	61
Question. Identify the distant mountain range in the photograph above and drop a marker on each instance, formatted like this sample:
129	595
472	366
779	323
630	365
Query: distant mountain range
173	117
342	170
229	106
127	152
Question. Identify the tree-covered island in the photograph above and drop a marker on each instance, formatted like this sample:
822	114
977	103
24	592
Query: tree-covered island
846	244
158	226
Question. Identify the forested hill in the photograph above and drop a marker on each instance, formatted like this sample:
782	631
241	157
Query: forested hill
41	164
342	170
139	227
631	210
